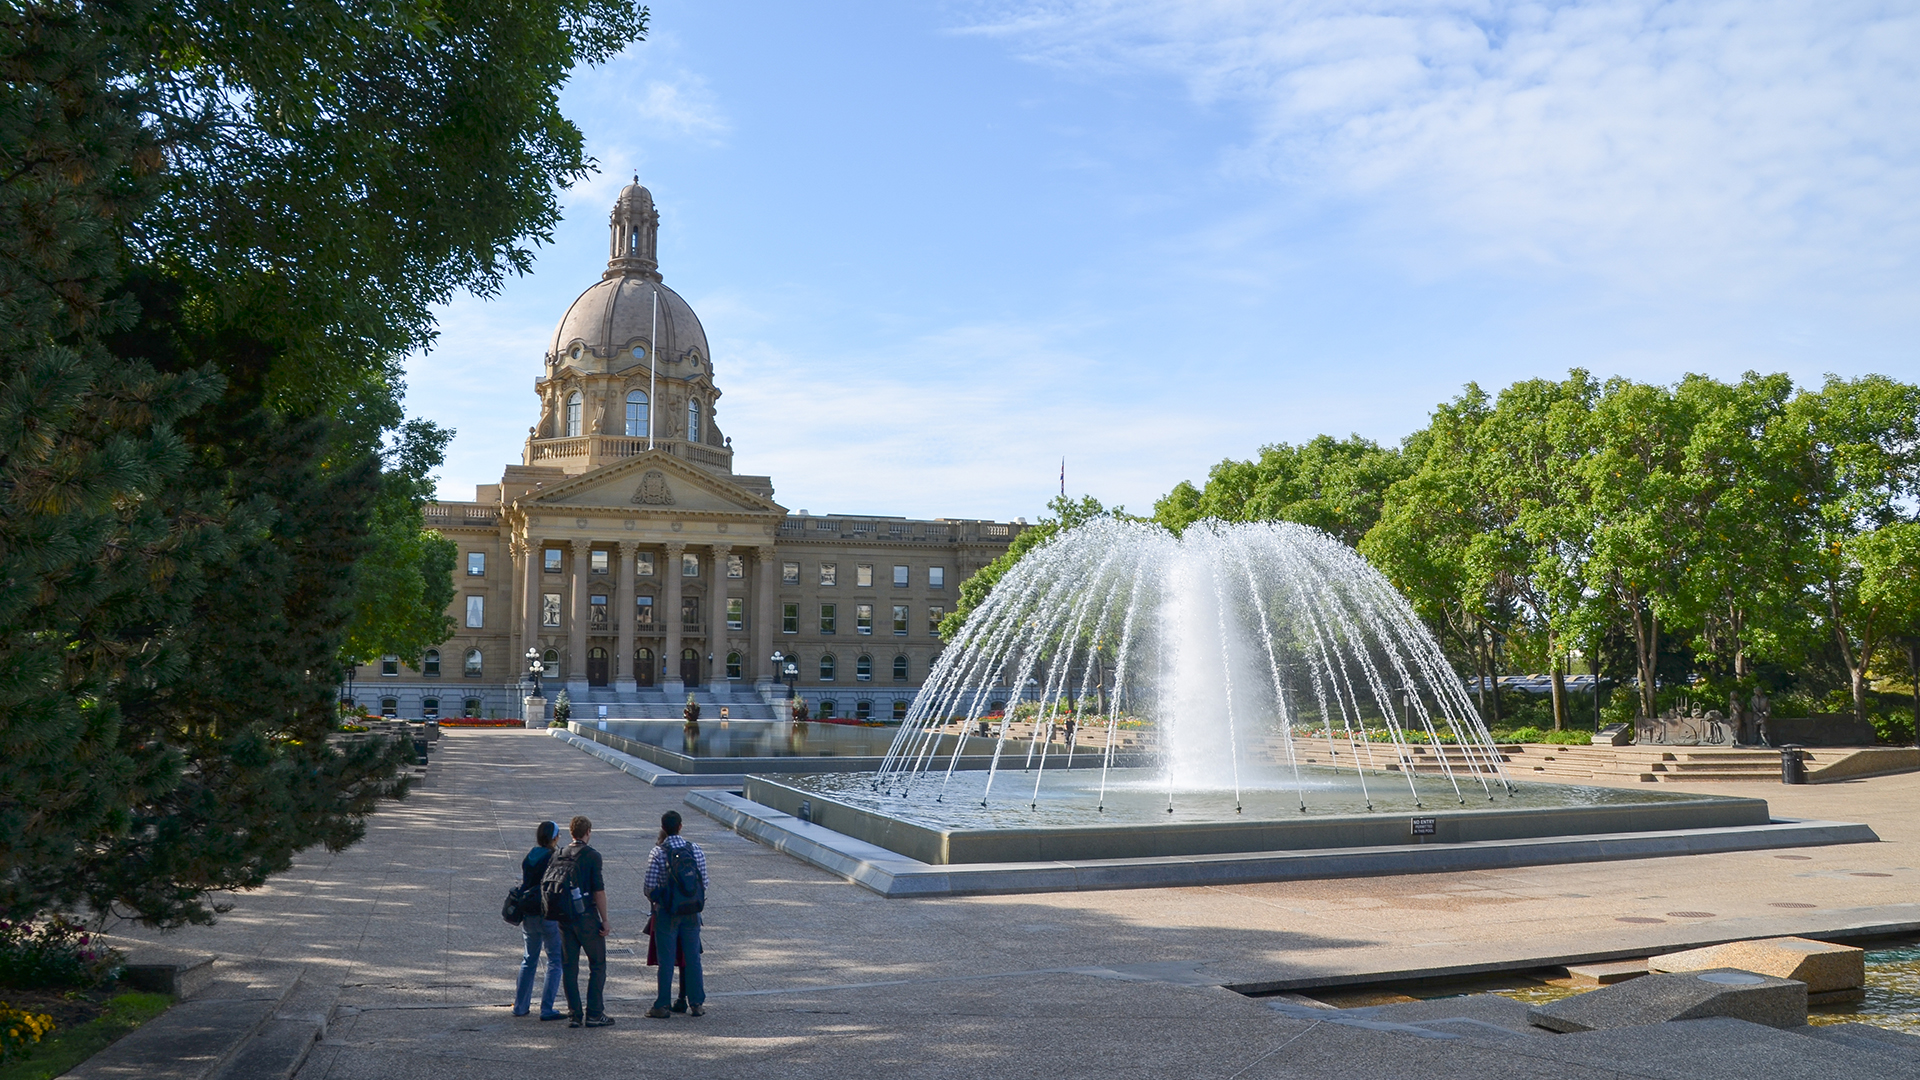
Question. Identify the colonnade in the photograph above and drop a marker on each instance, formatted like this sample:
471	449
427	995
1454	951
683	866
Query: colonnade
755	588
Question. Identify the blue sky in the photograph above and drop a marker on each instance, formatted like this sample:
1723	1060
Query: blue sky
938	247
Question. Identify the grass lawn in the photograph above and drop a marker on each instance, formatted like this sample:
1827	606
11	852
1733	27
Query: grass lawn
68	1047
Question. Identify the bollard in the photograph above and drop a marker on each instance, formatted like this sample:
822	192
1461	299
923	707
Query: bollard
1793	765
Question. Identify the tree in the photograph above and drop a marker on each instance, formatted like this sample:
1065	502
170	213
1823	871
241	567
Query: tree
224	225
1336	486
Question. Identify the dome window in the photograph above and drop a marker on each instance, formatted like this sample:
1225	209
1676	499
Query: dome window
693	419
573	415
637	412
574	352
639	352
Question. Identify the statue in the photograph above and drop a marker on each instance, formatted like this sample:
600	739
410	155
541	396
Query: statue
1737	719
1762	712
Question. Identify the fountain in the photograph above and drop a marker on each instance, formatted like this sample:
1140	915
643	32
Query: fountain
1245	688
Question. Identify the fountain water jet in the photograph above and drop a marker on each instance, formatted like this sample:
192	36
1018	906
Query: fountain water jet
1236	645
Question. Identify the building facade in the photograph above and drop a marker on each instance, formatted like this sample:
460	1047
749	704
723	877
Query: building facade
625	552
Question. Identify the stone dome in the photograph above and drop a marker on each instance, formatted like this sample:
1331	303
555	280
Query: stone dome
616	314
604	324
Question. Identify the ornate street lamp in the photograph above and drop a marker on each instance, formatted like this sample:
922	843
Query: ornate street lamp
534	670
788	668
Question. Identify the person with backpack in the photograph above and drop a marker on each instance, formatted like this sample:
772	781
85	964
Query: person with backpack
676	885
573	893
539	930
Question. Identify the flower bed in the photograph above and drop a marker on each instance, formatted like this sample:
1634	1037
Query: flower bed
475	721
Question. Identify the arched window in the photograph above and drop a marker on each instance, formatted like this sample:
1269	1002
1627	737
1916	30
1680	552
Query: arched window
430	664
693	419
573	414
899	710
637	414
472	708
430	708
473	663
733	665
863	710
899	669
826	710
550	658
863	669
389	706
826	668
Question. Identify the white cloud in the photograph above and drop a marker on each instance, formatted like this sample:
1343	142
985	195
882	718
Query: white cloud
1728	147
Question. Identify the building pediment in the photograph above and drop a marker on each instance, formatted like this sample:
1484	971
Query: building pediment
654	480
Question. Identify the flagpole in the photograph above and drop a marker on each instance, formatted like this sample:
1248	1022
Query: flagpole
653	363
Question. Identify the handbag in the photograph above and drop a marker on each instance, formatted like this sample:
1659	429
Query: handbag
520	902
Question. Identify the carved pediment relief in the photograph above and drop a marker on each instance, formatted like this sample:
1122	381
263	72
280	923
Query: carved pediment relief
653	490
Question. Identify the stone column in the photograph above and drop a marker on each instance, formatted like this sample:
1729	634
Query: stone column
766	599
530	618
717	616
672	683
577	622
517	638
624	615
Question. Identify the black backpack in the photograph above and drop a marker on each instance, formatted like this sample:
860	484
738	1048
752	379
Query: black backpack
560	898
682	891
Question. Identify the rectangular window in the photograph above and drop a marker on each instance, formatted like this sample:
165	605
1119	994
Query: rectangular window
599	562
643	611
476	611
863	618
934	615
597	612
550	609
689	565
829	571
644	567
736	566
900	620
863	576
789	573
900	579
690	612
936	577
389	665
826	618
736	612
550	560
476	564
789	618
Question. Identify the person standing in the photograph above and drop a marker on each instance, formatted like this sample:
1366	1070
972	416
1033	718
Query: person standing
676	885
576	881
539	930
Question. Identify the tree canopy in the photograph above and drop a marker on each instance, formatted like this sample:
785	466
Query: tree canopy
223	225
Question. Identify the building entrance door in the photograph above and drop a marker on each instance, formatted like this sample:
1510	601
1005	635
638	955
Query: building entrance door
643	666
597	667
690	667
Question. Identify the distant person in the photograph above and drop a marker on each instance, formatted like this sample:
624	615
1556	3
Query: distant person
574	892
539	930
676	886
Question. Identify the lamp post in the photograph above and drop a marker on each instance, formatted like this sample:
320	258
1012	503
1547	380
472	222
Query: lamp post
786	668
534	669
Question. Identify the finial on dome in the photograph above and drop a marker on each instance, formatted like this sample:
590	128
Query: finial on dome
633	234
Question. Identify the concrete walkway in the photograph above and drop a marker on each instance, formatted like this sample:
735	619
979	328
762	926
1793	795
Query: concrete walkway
811	976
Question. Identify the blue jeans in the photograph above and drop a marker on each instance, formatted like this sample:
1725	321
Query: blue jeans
538	931
673	938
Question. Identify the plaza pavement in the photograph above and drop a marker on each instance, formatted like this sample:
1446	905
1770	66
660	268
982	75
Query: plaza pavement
809	976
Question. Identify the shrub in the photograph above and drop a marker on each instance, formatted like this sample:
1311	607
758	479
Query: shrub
1894	729
54	952
21	1031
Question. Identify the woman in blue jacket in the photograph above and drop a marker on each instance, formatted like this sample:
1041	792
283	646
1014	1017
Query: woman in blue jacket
539	931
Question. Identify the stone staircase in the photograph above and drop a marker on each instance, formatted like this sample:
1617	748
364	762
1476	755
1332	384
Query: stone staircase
1630	764
742	702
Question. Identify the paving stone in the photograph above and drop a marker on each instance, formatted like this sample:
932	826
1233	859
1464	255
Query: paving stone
1655	999
1897	1044
1824	967
1491	1010
1720	1048
1605	974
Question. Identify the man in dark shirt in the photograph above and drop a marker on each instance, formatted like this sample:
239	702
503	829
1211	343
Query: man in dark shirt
587	931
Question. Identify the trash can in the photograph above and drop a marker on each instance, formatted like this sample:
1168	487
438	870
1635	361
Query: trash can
1793	765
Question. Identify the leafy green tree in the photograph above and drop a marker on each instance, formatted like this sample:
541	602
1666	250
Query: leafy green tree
1335	485
224	226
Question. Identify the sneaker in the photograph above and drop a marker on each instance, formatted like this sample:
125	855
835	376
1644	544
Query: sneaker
658	1013
599	1021
573	1021
680	1005
555	1016
521	1012
698	1010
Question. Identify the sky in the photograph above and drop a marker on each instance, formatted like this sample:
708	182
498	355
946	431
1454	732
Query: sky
939	247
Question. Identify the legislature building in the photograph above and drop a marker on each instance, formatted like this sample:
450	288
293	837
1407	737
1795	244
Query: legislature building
629	556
